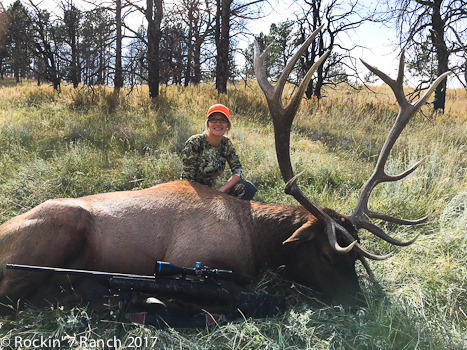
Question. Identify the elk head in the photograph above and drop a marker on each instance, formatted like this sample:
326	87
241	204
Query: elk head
341	231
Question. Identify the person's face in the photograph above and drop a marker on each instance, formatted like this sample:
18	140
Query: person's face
218	124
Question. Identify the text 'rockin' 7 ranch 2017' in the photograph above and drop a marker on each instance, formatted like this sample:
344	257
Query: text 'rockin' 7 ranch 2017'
80	341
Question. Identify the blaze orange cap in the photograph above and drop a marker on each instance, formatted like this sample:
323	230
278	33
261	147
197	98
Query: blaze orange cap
218	108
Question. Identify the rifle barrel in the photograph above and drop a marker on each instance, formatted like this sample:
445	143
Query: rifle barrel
64	271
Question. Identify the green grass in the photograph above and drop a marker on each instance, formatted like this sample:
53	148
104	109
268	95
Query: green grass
76	143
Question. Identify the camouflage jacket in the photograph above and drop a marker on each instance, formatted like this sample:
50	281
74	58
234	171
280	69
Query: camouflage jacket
203	162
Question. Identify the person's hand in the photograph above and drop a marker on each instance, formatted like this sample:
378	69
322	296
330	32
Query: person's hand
229	184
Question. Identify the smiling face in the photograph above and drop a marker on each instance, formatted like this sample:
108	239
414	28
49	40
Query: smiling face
218	124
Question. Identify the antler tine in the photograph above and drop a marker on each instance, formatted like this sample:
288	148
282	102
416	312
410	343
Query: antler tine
396	85
394	220
283	117
378	231
406	111
407	172
291	63
400	75
432	88
260	71
273	93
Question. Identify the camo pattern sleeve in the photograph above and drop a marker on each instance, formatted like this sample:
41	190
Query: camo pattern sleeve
233	159
203	163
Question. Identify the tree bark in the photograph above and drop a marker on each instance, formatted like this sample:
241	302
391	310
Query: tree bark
118	78
71	18
222	44
188	75
154	18
197	61
442	54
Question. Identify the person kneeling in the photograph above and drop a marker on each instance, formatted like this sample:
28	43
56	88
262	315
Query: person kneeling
205	156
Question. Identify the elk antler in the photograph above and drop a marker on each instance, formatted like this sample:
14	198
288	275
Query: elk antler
406	111
282	120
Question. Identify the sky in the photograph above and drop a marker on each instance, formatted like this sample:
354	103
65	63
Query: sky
377	42
376	39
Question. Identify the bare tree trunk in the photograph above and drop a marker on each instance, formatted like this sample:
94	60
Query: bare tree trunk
197	62
154	18
431	31
437	37
189	38
118	78
74	59
200	20
320	71
71	19
222	44
465	71
100	71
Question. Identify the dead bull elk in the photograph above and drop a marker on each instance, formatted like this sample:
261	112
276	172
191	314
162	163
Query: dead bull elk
183	222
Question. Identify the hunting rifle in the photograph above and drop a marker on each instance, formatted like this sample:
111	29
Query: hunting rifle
195	285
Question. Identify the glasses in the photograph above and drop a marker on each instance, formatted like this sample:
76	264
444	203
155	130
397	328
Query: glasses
214	120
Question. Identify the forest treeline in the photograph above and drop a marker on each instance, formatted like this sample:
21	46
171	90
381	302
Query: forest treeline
192	41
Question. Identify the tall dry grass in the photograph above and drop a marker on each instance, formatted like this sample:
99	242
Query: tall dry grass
85	141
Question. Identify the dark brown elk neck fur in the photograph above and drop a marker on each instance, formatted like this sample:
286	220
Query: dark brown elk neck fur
274	224
279	217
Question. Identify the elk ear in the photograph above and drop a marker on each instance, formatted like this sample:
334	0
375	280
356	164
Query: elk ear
304	233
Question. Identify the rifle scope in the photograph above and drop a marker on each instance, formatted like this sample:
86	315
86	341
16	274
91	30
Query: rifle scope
165	269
